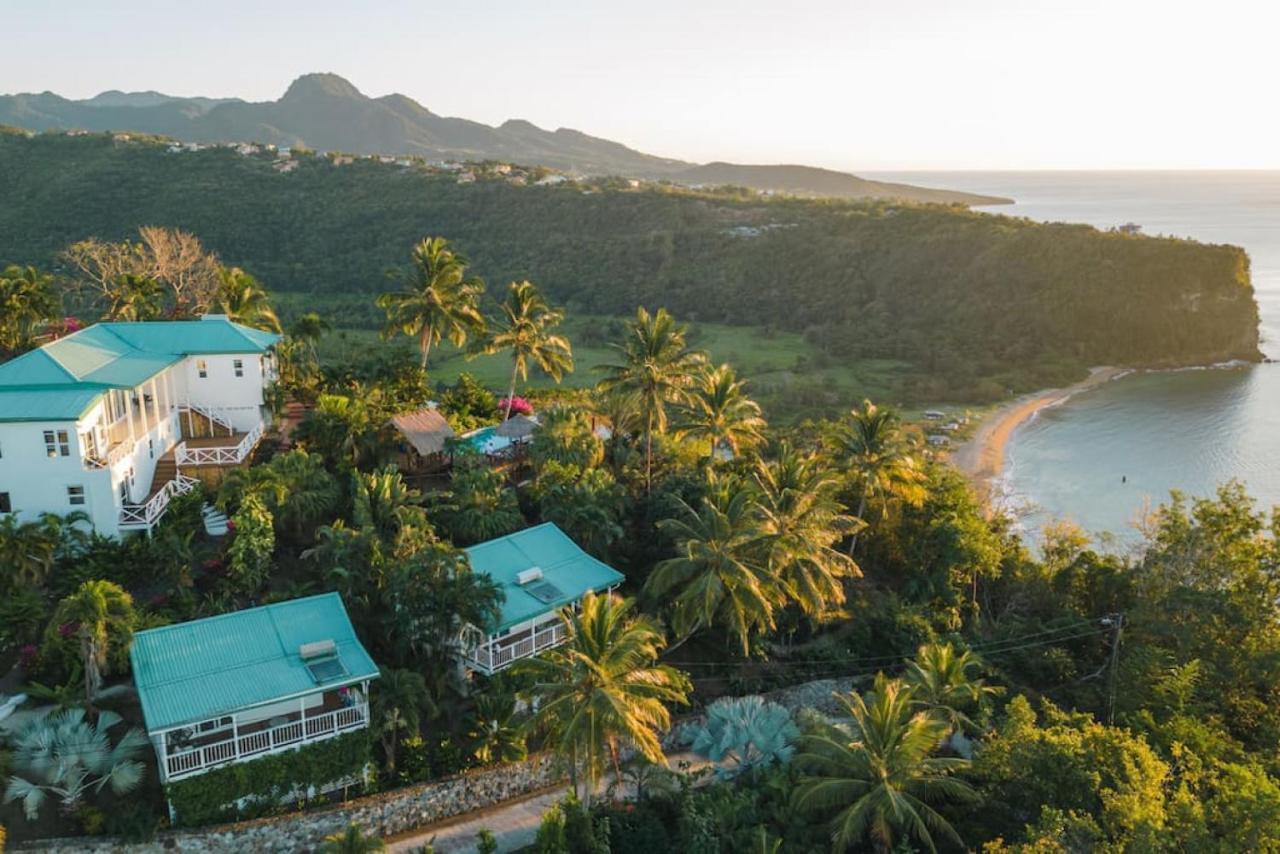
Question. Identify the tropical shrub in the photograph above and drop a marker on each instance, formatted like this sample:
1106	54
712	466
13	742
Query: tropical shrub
744	733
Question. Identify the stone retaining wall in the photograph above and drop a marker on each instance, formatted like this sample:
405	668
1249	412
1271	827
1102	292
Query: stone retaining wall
381	815
399	810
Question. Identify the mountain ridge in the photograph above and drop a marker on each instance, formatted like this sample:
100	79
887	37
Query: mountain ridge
326	111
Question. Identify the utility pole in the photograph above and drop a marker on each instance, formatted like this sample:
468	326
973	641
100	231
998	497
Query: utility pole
1116	624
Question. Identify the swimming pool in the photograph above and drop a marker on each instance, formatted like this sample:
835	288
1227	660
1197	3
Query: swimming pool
486	440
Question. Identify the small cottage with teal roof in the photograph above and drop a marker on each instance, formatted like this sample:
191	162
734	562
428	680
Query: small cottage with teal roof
539	571
247	684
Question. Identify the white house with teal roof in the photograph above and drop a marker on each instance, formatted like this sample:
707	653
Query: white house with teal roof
539	571
250	683
103	421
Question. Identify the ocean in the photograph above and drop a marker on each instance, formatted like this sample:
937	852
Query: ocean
1104	456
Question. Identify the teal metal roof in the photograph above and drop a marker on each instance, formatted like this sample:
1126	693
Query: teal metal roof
563	564
115	355
46	404
195	671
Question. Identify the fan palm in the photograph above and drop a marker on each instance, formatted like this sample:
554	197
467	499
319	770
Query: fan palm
101	611
800	521
497	735
720	413
243	299
62	754
655	371
603	688
876	773
718	576
943	679
525	329
439	302
870	447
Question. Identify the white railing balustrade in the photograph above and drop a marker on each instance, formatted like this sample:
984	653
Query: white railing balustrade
222	455
498	653
144	516
220	416
272	740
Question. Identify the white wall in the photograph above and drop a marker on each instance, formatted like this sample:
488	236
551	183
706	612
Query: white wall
239	398
37	483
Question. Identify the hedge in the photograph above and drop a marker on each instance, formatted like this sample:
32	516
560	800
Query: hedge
256	788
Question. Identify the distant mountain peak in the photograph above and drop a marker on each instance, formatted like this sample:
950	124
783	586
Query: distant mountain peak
325	84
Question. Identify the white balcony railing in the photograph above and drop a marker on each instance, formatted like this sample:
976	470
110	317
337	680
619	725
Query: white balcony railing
116	453
142	517
272	740
495	654
222	455
223	417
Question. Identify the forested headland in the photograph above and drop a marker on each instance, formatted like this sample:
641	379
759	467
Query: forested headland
971	304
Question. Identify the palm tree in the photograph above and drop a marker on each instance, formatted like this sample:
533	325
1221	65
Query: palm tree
101	611
603	688
875	771
656	370
869	445
397	706
800	521
719	576
135	297
525	330
943	680
27	552
310	328
27	301
296	486
243	299
719	412
497	735
439	302
478	506
351	841
64	755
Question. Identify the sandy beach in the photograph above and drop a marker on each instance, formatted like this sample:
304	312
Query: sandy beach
982	457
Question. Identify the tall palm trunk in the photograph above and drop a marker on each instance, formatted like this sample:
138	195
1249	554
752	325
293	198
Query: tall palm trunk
862	508
424	344
511	390
648	455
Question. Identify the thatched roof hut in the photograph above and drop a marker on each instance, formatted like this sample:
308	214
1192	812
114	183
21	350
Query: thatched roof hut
424	429
518	427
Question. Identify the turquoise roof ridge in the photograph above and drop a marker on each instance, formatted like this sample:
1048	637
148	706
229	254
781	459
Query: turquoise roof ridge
53	379
202	669
563	564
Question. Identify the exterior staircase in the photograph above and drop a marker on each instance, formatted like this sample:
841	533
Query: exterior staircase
215	521
198	422
166	470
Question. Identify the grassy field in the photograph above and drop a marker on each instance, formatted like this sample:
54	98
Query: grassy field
787	375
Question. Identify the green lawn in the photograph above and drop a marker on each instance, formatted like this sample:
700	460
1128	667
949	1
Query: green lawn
786	373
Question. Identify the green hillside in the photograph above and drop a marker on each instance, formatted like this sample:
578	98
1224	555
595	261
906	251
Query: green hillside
974	304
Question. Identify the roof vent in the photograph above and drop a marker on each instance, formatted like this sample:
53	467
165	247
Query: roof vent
318	649
533	573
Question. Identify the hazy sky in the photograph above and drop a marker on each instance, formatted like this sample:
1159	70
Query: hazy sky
860	85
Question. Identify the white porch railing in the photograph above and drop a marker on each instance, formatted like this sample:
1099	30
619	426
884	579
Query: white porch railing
496	653
116	453
221	416
272	740
222	455
142	517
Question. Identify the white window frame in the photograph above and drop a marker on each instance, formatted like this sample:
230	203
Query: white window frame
202	369
57	443
238	366
6	498
72	495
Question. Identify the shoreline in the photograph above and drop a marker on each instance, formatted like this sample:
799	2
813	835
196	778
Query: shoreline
981	458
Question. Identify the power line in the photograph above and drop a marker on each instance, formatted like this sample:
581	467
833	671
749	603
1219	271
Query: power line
994	647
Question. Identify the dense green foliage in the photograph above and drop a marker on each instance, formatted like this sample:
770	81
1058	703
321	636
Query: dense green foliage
973	302
210	797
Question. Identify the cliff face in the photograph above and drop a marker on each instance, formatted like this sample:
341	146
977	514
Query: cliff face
949	302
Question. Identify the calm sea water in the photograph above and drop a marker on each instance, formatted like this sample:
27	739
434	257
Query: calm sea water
1100	457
